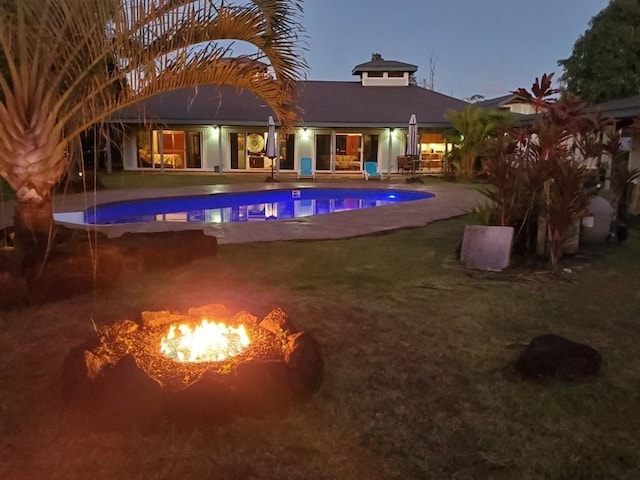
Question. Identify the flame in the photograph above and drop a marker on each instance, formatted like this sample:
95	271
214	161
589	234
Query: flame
206	342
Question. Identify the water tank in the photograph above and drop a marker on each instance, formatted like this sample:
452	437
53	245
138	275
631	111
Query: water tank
596	224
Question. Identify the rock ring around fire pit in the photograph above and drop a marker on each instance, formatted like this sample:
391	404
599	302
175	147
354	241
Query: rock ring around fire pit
121	378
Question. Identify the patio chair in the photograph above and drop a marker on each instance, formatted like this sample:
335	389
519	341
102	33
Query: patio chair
405	164
306	169
371	171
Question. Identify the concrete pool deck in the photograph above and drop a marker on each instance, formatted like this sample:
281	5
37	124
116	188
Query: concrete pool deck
450	200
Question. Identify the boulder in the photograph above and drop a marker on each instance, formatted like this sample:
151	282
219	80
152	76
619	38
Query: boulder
303	356
80	262
555	357
278	323
125	396
263	388
208	401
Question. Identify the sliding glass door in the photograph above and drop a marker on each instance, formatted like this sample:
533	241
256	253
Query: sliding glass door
176	149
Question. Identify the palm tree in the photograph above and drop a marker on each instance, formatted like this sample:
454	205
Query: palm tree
69	64
474	127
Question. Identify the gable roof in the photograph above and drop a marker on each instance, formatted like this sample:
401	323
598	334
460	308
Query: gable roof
322	104
500	102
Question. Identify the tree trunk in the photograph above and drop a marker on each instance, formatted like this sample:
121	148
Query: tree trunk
33	222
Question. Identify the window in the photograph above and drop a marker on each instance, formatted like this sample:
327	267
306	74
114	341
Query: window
194	150
395	74
370	148
375	74
248	151
323	152
287	151
147	142
169	149
348	152
238	151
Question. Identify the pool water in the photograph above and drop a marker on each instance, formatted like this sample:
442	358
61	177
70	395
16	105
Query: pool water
247	206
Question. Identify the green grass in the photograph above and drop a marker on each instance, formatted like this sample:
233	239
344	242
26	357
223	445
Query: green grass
130	179
416	385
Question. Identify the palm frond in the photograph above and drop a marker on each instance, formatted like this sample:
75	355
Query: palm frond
69	64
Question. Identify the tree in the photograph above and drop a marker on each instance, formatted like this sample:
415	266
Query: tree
474	127
475	98
63	65
605	61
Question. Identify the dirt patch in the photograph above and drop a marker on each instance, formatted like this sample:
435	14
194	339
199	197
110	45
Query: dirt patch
81	262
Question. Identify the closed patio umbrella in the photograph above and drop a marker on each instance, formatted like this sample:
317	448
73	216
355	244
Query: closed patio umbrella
271	150
412	141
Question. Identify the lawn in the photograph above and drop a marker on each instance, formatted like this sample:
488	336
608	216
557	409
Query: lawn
126	179
416	384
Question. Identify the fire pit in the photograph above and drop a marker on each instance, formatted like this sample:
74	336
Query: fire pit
203	367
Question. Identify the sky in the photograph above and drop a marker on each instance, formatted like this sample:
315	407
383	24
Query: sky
477	47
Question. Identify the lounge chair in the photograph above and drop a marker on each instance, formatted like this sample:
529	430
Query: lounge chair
306	169
371	171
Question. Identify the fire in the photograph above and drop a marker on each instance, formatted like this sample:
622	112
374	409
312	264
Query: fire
206	342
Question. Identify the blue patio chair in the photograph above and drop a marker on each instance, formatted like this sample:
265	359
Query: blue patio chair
371	171
306	169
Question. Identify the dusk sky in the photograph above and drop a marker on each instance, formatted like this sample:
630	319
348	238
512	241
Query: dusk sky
486	47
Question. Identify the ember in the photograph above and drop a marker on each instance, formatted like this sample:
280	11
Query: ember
207	342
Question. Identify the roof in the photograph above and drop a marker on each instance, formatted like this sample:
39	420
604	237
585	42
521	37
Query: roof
624	108
383	66
322	103
500	102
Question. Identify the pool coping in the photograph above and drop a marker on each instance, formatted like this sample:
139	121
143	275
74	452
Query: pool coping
450	200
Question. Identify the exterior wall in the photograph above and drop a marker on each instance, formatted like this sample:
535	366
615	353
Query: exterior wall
211	149
305	145
385	80
216	148
522	108
395	141
129	154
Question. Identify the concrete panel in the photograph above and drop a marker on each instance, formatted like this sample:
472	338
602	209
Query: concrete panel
486	247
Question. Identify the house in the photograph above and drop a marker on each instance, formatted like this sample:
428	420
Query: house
512	102
625	112
215	128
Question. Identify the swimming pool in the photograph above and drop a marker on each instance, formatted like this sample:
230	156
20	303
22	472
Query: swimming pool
245	206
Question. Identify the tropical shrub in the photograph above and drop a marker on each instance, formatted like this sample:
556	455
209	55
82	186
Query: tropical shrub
534	175
473	128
